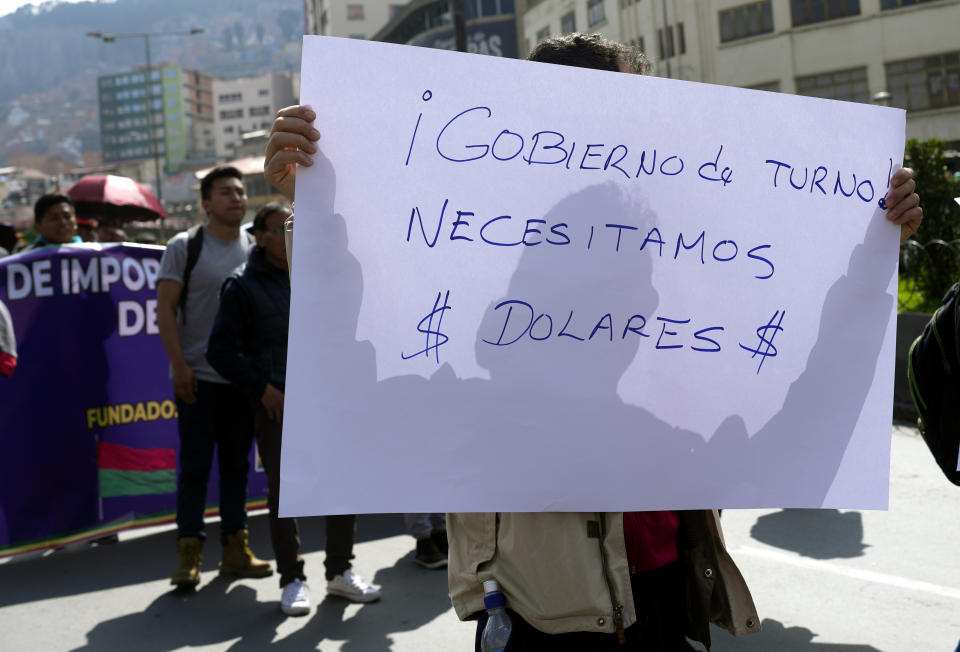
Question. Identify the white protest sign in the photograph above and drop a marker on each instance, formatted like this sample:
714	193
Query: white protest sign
527	287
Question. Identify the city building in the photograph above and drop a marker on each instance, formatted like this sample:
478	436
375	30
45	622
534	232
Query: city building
905	53
491	26
166	111
248	104
349	19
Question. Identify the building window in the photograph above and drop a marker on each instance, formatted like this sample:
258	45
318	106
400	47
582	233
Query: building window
226	98
595	14
228	130
259	110
354	12
925	83
229	115
849	85
543	34
357	36
394	10
172	102
676	41
746	20
816	11
263	92
896	4
171	73
568	23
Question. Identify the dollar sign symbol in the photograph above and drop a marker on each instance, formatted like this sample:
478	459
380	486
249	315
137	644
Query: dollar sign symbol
433	334
765	349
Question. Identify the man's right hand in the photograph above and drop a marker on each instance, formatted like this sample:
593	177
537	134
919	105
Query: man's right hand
185	384
272	400
292	141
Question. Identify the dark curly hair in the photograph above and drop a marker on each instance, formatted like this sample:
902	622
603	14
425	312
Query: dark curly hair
590	51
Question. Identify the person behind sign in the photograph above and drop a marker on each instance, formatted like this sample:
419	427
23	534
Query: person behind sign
8	343
673	565
55	220
87	229
211	412
248	347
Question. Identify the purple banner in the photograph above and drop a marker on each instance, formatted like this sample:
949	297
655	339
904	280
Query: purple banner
88	420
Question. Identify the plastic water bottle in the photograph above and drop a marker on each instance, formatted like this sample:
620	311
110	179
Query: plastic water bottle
497	631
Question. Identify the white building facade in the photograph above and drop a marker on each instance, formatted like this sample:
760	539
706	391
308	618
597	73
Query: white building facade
902	52
248	104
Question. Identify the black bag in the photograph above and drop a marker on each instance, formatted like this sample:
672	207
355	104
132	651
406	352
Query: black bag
933	370
194	245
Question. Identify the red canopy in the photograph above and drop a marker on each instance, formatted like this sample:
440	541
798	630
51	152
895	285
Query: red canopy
115	198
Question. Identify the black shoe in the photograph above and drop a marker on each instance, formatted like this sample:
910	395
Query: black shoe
440	540
428	555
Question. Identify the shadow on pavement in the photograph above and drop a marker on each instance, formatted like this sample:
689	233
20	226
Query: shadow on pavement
412	597
82	568
221	611
782	639
816	533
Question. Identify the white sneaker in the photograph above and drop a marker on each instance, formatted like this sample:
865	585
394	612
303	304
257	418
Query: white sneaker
294	600
352	587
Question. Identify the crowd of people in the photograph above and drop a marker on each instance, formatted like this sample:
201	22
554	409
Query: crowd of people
653	580
223	298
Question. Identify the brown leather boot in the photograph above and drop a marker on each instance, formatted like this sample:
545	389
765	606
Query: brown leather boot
239	560
189	559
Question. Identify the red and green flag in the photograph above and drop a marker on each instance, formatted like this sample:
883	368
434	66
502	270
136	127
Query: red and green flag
126	471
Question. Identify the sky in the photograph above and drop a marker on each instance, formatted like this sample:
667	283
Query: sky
9	6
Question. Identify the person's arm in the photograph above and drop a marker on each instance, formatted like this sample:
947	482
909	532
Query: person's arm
903	203
227	351
292	142
168	302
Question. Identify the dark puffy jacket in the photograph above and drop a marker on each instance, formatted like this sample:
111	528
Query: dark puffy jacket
248	343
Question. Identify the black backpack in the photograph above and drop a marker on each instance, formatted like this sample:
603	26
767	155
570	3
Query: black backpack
194	245
933	370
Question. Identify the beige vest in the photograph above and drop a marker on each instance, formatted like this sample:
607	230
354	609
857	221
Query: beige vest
566	572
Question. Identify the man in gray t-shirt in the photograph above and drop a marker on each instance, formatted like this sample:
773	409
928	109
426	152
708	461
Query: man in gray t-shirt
212	414
217	259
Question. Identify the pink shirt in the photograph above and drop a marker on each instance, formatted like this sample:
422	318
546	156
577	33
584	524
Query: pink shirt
651	539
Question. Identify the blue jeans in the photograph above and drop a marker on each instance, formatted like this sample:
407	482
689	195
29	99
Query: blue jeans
220	418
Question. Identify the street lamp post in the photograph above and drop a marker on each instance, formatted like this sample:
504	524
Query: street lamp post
110	38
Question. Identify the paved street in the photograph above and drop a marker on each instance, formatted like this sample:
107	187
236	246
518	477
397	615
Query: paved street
823	580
